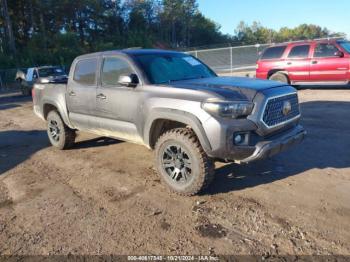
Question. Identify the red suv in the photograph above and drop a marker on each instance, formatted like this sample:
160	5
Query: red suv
316	62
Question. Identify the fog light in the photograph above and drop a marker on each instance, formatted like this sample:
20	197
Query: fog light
238	139
241	139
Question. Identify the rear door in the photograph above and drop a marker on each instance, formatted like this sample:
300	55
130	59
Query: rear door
31	76
81	92
326	66
298	63
271	59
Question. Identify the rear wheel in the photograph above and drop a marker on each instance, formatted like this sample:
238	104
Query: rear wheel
60	135
280	77
182	163
26	91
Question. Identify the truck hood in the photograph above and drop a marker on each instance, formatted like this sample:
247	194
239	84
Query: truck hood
228	88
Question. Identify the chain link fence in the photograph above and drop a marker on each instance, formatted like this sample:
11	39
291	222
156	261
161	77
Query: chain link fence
8	79
238	60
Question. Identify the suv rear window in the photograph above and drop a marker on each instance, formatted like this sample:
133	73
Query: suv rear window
325	50
85	71
273	52
300	51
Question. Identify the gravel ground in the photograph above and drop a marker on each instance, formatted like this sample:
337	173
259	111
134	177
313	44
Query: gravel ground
104	197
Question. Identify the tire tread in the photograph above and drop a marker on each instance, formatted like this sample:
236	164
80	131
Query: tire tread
69	134
206	168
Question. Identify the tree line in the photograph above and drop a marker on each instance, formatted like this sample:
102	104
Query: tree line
38	32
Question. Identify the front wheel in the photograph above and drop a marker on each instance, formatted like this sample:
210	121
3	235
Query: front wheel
182	163
60	135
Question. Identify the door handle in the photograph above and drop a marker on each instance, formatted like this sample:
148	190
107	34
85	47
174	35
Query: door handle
289	63
314	62
101	96
71	93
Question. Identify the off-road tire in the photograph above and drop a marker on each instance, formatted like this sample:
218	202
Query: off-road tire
66	135
280	77
202	172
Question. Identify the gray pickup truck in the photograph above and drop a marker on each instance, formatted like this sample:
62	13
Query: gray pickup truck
173	103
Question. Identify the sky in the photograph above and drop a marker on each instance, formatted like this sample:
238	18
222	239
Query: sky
333	14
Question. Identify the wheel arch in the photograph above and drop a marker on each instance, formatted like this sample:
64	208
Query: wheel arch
277	70
163	120
51	105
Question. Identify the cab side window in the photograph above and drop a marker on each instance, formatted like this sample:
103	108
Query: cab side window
85	72
325	50
112	69
300	51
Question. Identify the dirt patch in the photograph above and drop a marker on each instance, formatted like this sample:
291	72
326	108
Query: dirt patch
104	196
164	225
211	230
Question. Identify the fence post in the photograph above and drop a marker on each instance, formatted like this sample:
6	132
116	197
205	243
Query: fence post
1	85
231	61
196	53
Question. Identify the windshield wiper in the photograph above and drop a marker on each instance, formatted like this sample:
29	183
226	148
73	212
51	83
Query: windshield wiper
184	79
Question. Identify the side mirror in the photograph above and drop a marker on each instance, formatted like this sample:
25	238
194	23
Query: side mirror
129	81
339	54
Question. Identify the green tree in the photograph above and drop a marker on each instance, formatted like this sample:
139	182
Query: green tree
7	25
37	32
256	33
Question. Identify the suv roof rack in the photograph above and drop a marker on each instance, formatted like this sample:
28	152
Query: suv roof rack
309	40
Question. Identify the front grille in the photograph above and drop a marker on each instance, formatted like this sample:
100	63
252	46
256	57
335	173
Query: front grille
273	114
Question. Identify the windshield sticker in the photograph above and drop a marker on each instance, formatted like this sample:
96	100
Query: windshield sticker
191	61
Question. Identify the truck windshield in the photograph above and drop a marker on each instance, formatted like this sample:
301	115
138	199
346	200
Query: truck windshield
51	71
345	45
171	67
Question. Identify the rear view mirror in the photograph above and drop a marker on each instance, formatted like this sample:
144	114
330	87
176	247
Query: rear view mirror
339	54
129	81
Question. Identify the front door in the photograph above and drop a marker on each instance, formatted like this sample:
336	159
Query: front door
117	106
81	93
327	66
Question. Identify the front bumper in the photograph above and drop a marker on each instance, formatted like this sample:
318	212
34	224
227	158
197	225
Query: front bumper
260	140
270	147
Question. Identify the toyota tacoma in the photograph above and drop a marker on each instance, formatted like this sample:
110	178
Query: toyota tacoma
175	105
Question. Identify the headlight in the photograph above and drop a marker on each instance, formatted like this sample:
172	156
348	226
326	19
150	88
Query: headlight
232	109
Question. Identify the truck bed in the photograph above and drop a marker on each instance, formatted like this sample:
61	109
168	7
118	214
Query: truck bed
48	94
